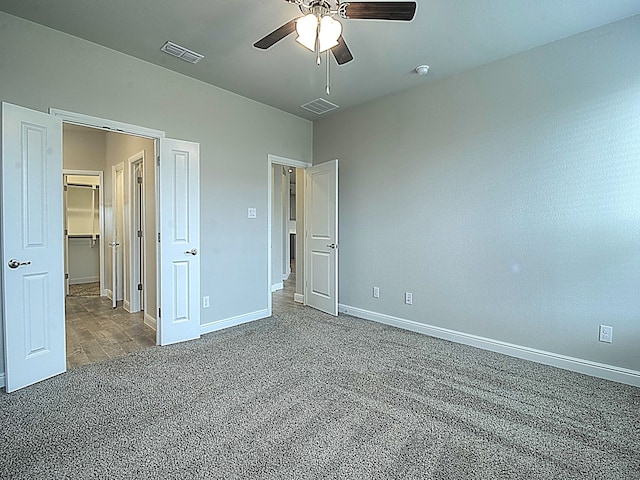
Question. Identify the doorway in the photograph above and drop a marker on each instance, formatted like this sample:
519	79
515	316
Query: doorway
280	225
32	177
317	218
83	232
106	224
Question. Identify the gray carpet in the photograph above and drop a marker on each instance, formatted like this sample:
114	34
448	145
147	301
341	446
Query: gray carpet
305	395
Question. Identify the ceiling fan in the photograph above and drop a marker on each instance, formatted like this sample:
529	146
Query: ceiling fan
319	31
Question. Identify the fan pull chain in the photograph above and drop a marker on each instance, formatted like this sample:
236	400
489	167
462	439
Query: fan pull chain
317	45
328	80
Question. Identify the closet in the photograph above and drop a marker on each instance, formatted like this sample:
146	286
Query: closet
82	195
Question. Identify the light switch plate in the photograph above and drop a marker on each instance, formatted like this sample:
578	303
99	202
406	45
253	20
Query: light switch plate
251	212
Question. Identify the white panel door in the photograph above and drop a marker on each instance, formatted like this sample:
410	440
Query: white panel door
32	246
179	212
321	226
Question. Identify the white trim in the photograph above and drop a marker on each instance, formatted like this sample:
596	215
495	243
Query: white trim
127	306
233	321
2	380
587	367
136	259
298	298
277	286
81	280
116	204
149	321
289	162
105	124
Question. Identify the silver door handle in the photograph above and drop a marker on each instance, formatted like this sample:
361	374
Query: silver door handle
13	263
333	245
114	244
193	251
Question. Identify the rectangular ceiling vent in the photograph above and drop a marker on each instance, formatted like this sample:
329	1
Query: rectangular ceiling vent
320	106
181	52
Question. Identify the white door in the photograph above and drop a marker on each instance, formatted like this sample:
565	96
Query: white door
32	246
321	228
179	212
65	191
117	270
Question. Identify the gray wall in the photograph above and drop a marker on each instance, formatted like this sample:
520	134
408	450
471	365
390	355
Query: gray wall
506	199
42	68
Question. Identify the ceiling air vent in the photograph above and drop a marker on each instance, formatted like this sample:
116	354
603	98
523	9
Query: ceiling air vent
181	52
319	106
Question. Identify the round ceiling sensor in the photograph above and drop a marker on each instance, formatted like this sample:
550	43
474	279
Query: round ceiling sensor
422	69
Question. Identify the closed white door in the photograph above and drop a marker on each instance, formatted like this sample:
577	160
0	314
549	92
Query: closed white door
32	246
321	228
179	241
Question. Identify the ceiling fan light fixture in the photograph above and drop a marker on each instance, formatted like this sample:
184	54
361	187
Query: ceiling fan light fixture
327	31
307	29
330	31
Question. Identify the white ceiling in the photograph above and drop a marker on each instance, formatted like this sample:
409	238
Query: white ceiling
449	35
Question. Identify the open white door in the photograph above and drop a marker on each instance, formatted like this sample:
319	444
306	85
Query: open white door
179	212
32	246
321	246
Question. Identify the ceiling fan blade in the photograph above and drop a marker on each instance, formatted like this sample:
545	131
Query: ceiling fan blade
277	35
341	52
378	10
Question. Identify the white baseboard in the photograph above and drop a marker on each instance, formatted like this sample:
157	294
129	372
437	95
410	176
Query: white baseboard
81	280
277	286
108	293
233	321
127	306
608	372
298	298
1	380
150	321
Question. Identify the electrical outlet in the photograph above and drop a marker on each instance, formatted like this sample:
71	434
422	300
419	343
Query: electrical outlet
408	298
606	333
205	302
376	292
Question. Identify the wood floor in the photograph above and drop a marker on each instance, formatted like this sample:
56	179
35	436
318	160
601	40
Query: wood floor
96	332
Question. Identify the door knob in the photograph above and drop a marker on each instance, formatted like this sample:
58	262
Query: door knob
13	263
193	251
332	245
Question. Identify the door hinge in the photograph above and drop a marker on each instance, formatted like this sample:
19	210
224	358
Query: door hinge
139	233
66	232
158	160
66	188
140	286
158	237
140	180
66	276
159	312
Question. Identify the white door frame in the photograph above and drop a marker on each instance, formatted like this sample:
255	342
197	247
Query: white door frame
136	256
275	160
118	229
128	129
92	173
